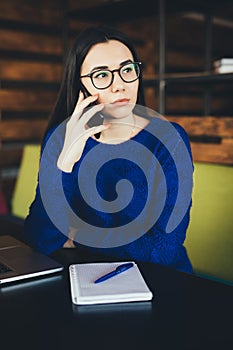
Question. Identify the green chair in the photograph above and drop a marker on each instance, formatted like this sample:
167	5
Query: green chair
209	239
26	182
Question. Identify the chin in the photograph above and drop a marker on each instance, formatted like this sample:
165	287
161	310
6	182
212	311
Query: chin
118	112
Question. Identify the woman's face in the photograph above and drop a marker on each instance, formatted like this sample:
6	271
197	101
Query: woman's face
120	97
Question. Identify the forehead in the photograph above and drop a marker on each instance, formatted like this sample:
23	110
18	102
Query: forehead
108	54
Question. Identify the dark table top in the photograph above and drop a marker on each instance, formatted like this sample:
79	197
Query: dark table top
187	312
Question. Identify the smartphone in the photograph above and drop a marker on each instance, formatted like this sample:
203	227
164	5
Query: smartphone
97	118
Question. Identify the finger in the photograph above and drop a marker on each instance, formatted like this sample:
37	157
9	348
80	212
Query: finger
90	113
88	100
77	110
94	130
81	104
80	97
99	128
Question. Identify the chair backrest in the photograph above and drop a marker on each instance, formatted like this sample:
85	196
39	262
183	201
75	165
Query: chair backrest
209	239
26	182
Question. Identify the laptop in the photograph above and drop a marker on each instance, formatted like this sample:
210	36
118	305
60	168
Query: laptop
18	261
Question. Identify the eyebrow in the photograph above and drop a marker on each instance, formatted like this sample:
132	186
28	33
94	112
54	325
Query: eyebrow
106	67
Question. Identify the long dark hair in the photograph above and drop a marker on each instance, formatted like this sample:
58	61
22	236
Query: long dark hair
71	84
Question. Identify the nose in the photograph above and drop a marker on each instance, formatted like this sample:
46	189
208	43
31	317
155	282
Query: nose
117	84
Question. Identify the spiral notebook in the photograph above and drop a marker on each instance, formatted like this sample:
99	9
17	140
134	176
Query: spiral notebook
127	286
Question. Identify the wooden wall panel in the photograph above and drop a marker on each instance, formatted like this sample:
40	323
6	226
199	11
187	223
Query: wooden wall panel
183	61
30	42
31	56
20	100
209	128
190	104
213	153
22	130
30	71
151	98
43	12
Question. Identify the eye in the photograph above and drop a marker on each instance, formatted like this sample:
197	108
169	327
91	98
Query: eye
128	69
101	74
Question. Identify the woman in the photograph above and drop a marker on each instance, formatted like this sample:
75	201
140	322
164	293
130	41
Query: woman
101	133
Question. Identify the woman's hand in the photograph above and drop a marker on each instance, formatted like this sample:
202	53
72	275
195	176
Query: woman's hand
77	132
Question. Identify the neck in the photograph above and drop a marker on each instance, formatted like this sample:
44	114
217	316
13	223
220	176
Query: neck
120	129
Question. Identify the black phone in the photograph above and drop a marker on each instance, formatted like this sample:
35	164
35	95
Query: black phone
97	118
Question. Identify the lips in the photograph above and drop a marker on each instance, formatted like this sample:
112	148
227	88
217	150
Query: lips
121	101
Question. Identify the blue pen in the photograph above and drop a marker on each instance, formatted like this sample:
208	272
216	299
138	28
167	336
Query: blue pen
118	270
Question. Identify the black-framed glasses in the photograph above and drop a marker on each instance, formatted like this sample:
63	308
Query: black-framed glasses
103	78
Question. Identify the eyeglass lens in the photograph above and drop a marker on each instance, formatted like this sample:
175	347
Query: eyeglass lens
128	73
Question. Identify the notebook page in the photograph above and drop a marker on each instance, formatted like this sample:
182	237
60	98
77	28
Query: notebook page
126	286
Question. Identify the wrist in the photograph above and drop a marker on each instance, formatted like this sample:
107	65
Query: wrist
64	165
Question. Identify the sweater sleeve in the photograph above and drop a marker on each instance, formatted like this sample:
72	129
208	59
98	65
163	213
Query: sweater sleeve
47	224
167	245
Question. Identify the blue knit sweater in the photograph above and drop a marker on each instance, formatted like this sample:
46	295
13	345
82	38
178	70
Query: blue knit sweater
134	217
